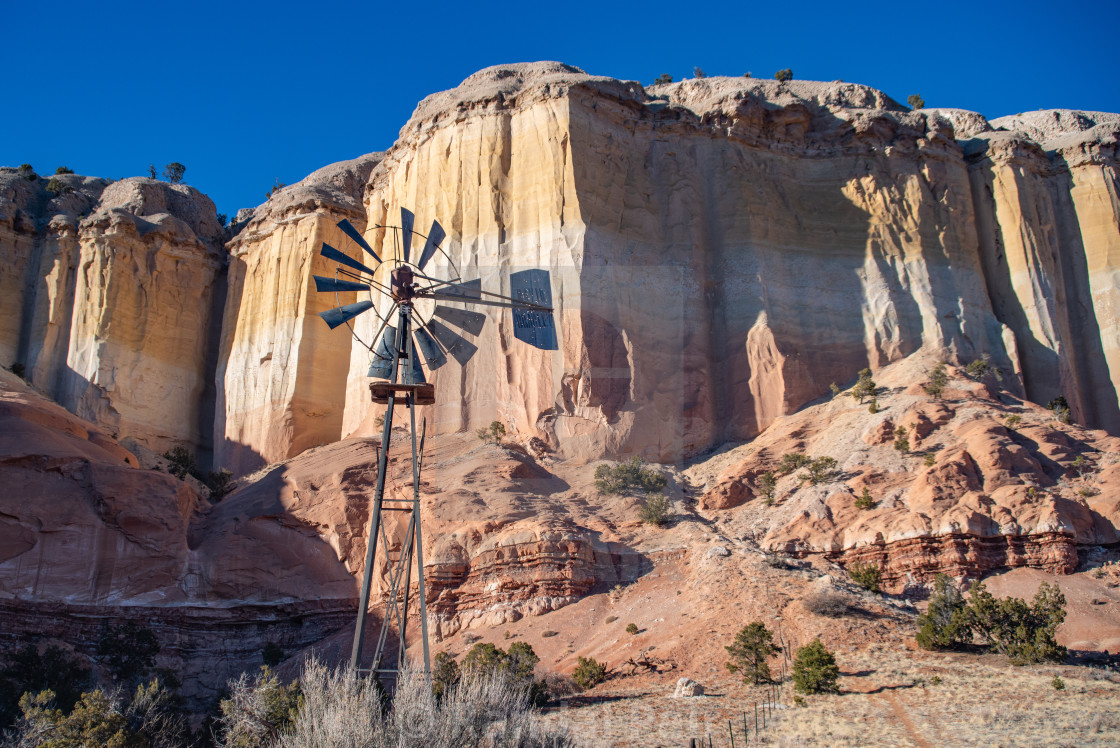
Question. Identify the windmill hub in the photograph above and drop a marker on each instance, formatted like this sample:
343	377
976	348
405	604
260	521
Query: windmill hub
402	284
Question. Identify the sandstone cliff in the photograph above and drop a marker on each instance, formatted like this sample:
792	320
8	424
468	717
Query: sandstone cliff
282	372
722	249
110	304
1047	210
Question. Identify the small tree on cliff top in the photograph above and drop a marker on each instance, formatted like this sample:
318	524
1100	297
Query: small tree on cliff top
174	172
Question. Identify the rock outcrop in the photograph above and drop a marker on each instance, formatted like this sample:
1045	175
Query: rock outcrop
721	249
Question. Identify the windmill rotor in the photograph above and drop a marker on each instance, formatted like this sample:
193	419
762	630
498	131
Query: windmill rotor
403	277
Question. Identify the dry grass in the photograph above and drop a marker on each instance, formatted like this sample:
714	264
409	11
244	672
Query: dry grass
889	698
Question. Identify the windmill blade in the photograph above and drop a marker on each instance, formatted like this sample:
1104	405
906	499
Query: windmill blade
350	231
333	254
339	316
426	344
407	220
464	319
500	301
385	356
323	285
436	235
459	347
533	326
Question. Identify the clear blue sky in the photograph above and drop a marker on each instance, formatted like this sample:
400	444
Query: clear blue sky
245	94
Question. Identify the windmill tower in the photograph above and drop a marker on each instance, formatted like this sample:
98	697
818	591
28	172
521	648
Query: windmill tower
416	312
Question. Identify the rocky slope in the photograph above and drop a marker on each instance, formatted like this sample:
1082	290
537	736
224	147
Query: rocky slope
987	482
721	250
520	540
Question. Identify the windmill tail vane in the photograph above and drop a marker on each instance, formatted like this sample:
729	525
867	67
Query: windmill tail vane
424	316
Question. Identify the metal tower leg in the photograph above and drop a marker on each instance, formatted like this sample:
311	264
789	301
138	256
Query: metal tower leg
419	545
374	528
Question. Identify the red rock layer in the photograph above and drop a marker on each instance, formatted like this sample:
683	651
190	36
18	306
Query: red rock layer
963	557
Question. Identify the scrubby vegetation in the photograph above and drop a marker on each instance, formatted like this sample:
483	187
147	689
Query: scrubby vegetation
865	386
864	500
149	718
792	461
865	575
767	485
485	660
1024	632
945	624
629	476
815	669
828	604
589	673
662	79
752	646
1060	407
656	510
29	671
272	654
174	172
276	187
915	101
979	368
56	186
819	470
783	75
492	434
183	463
901	440
128	651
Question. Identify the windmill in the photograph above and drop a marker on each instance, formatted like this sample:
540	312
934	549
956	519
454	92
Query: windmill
404	289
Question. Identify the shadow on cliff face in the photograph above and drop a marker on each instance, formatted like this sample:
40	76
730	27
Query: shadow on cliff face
1040	364
720	283
1096	403
1082	376
228	453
